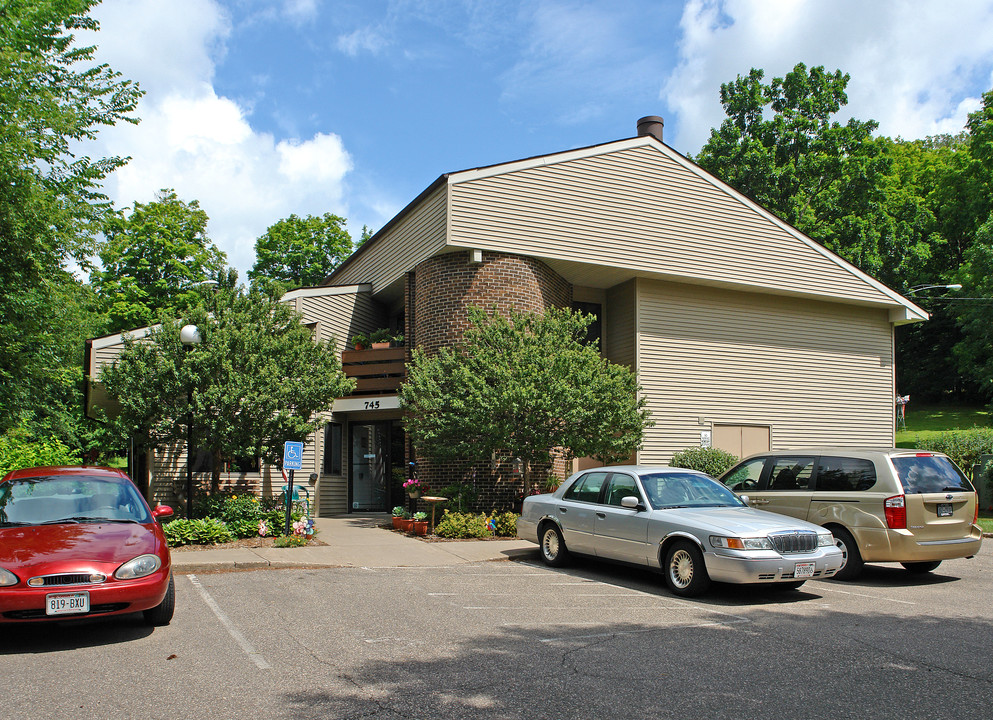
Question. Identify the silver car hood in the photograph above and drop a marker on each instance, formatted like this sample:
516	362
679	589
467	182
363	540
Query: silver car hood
732	521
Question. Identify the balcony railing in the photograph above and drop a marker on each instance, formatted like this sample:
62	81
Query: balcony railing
376	372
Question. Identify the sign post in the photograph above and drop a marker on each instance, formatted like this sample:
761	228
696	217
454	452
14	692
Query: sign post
292	460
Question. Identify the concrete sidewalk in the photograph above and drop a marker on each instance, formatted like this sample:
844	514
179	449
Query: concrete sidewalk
354	541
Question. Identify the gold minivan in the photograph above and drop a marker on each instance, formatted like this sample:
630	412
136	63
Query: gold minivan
907	506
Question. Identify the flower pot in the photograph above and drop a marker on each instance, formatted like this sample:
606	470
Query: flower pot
420	527
406	525
396	522
413	494
359	346
380	345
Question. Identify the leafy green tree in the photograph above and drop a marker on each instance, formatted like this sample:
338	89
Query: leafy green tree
256	380
301	252
51	96
975	350
366	235
822	177
523	384
153	259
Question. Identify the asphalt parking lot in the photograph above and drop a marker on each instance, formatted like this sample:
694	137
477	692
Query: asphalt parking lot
519	640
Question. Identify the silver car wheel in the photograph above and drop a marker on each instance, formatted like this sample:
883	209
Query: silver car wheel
681	569
553	549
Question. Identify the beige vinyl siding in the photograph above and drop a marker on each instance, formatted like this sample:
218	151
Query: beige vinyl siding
640	209
817	373
619	343
333	489
416	237
338	317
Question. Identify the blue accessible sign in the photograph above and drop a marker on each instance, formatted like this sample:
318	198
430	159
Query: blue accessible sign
293	455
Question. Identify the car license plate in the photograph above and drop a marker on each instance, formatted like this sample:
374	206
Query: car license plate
803	570
67	603
944	509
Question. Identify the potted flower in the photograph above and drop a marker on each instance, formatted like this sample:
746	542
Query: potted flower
398	512
380	339
398	340
413	488
360	341
420	523
406	522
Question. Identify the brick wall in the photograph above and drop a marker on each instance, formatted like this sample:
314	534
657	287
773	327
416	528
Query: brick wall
439	293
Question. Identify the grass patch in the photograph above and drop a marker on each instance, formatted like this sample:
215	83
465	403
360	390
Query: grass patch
986	521
927	420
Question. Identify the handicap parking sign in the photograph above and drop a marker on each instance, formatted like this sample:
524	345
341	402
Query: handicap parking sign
293	455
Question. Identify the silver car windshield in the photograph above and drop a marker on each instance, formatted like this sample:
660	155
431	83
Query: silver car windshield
51	500
676	490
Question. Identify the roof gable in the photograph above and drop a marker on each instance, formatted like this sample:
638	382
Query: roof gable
637	204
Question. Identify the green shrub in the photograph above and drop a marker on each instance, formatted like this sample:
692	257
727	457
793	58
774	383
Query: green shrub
241	513
963	446
202	531
461	525
711	460
290	541
505	524
461	497
19	450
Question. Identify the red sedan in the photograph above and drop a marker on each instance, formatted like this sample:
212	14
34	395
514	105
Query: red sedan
81	542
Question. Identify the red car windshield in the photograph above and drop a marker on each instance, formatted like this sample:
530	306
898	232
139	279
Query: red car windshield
59	499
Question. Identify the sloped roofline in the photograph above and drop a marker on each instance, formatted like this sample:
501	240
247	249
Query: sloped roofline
912	312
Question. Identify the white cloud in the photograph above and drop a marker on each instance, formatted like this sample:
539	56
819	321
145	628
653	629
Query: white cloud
916	67
201	144
300	10
363	39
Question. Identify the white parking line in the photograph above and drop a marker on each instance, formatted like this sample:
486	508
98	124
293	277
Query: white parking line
226	622
821	587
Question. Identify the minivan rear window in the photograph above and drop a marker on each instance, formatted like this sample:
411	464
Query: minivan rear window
930	474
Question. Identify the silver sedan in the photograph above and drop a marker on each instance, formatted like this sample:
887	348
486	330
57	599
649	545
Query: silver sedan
681	522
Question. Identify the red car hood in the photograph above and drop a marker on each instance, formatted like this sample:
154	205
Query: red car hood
43	549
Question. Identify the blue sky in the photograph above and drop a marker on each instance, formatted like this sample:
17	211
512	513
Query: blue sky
262	108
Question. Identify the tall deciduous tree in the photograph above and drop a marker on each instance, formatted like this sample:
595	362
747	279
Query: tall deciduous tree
301	251
51	96
153	259
780	146
524	384
256	380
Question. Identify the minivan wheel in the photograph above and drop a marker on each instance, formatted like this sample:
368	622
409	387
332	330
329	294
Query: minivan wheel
852	563
553	549
921	567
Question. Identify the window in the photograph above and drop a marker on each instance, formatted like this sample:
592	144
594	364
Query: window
586	488
845	474
621	486
791	473
594	333
332	449
930	474
746	476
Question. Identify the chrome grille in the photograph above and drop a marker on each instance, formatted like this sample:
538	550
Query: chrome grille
797	541
66	579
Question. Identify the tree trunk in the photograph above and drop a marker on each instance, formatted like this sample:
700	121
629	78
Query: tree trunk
215	473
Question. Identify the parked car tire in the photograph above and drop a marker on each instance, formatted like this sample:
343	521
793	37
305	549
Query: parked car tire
553	549
921	567
685	573
853	563
161	614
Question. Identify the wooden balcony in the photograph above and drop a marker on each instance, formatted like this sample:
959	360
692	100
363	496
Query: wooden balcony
376	372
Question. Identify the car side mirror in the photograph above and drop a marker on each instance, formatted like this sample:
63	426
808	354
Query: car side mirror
161	511
744	499
631	502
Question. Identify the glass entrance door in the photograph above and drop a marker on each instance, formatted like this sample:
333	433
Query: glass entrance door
370	471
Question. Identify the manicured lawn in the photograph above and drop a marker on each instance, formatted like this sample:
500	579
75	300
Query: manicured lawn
925	420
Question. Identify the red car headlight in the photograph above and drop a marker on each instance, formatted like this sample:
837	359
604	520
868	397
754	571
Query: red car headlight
138	568
7	578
